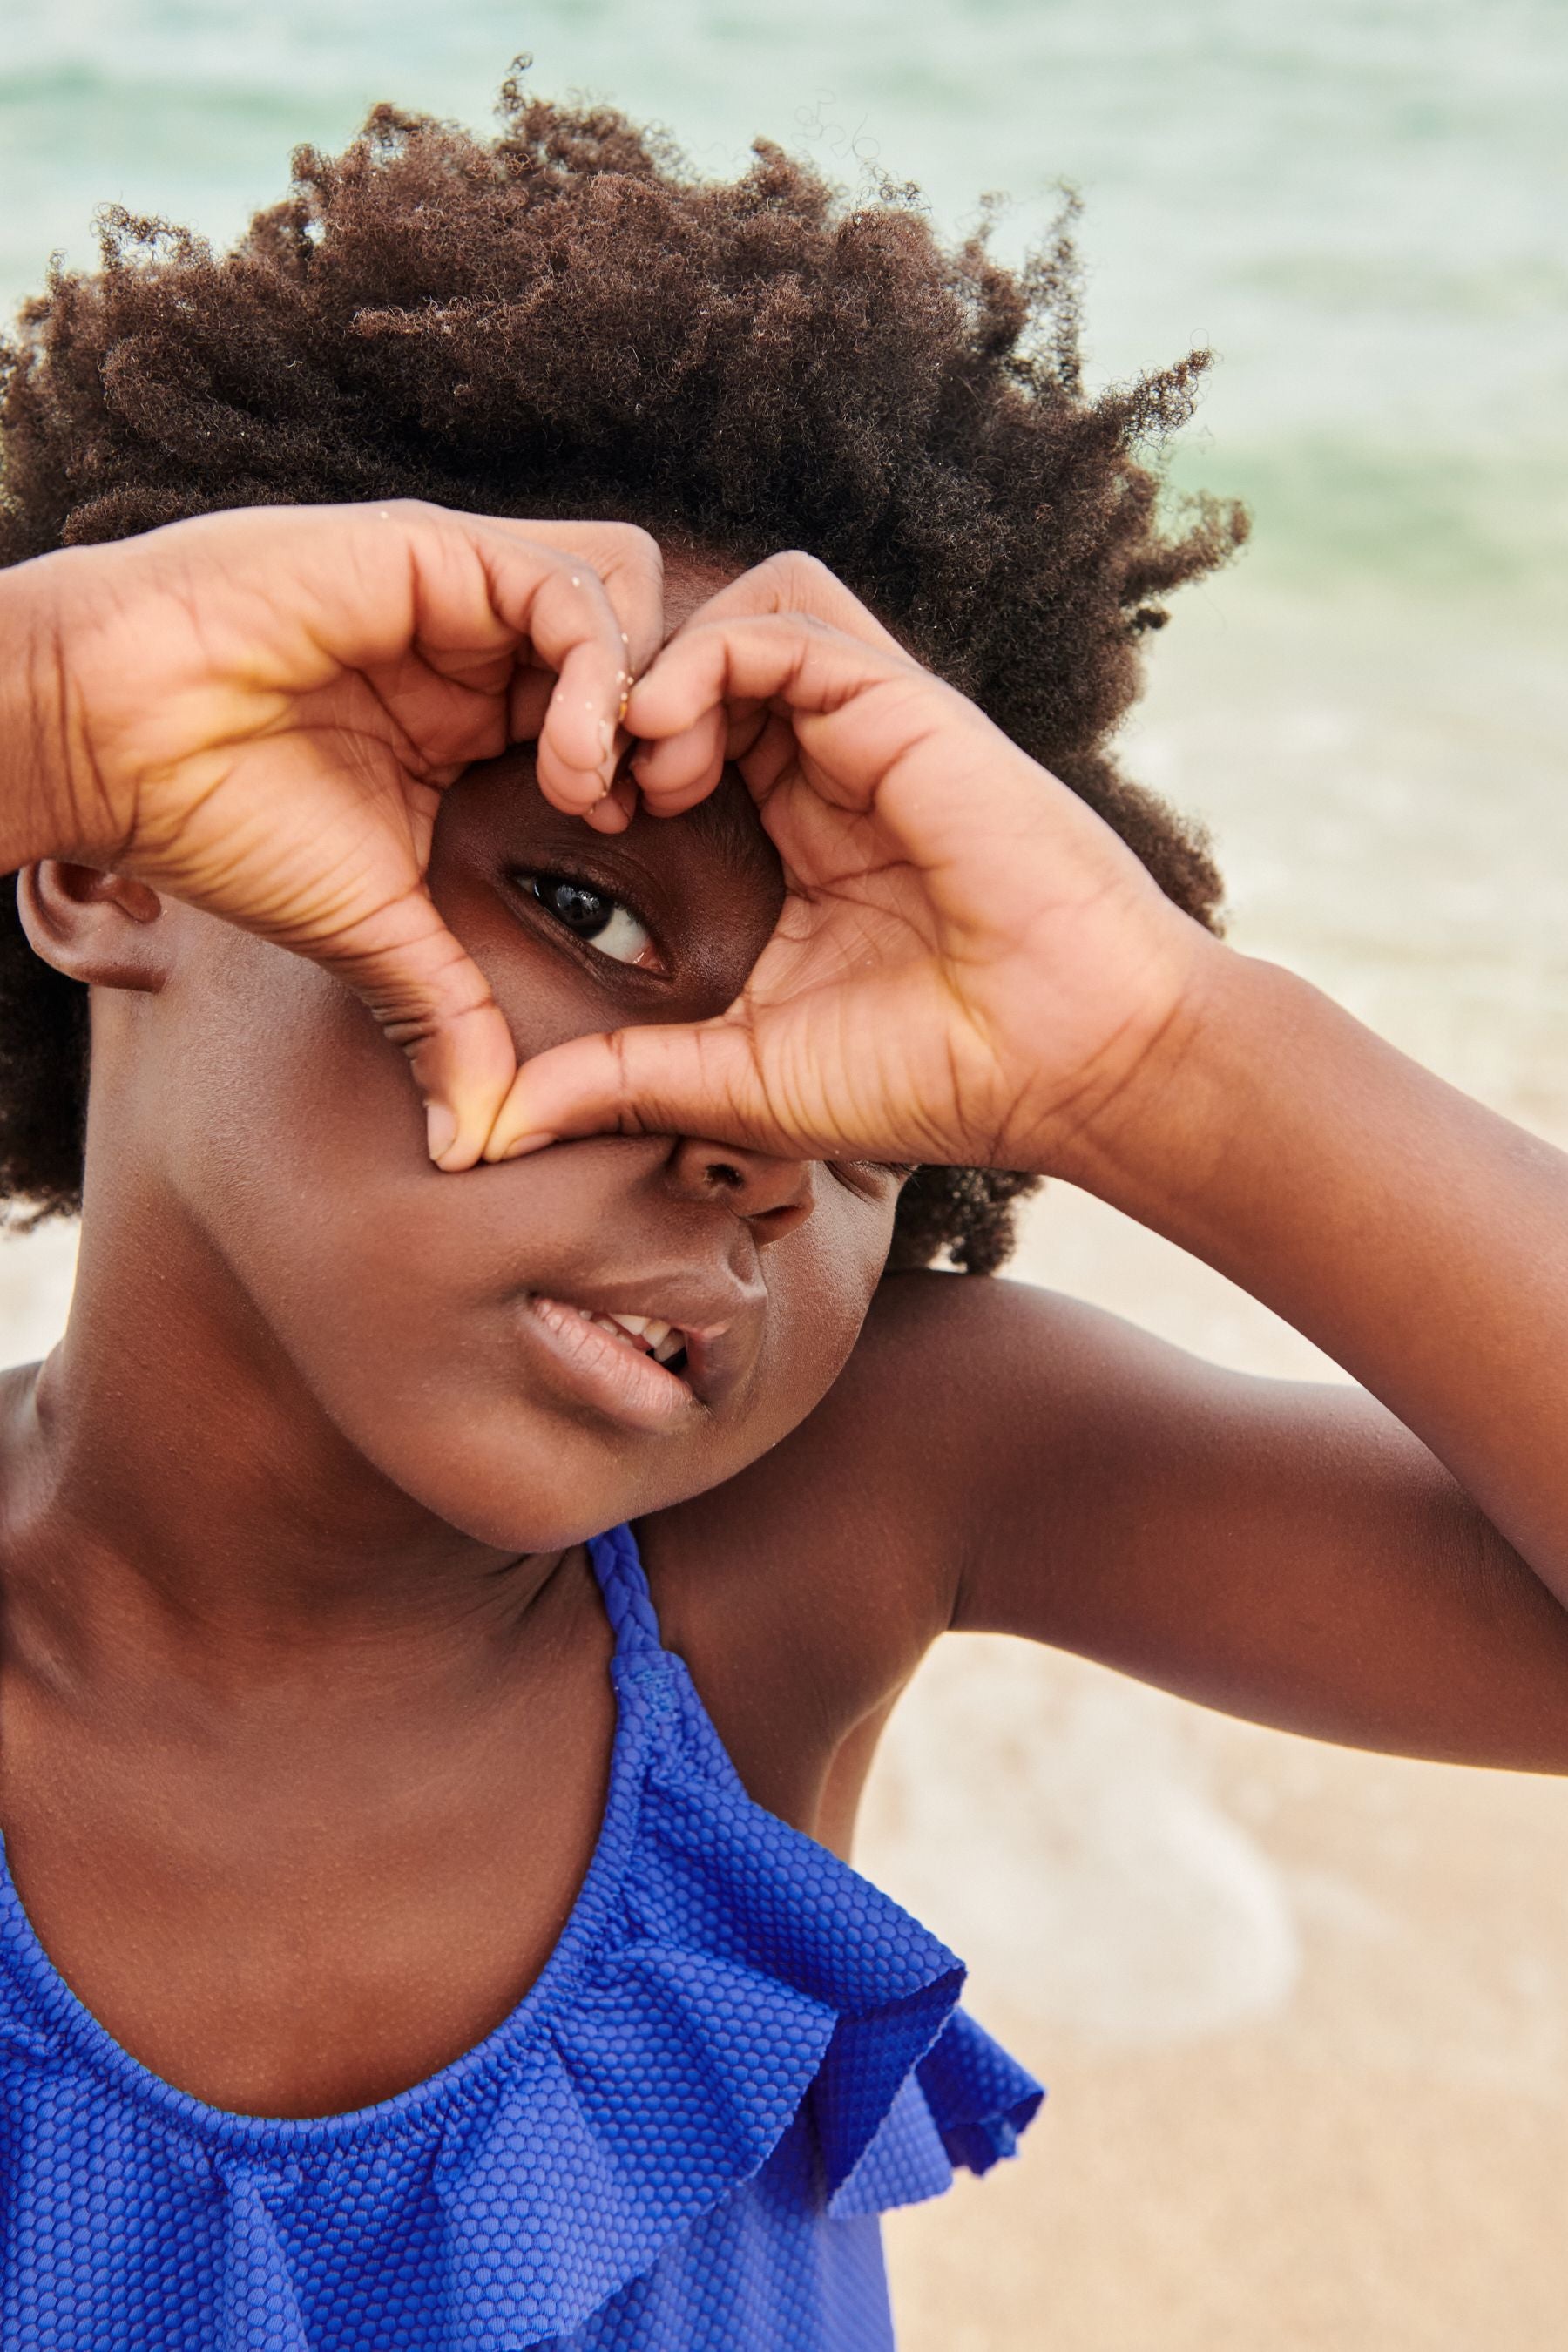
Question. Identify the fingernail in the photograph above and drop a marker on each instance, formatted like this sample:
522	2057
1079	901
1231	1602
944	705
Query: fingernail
440	1128
521	1145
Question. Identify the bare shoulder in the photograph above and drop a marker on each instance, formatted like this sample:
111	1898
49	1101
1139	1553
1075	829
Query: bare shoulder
839	1555
804	1593
997	1457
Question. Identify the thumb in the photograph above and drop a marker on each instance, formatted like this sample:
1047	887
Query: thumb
430	997
696	1080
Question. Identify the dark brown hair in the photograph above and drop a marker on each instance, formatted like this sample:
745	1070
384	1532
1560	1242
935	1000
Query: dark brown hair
565	319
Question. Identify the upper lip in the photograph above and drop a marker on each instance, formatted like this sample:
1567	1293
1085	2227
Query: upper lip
719	1320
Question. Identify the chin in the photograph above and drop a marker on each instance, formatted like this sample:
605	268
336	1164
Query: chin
548	1513
539	1491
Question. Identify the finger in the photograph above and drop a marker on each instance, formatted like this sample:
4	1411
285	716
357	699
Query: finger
695	1080
465	595
677	773
774	747
681	769
432	999
572	627
617	810
674	775
796	665
629	561
792	582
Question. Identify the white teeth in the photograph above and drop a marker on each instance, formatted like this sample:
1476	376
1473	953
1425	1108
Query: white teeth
657	1338
653	1334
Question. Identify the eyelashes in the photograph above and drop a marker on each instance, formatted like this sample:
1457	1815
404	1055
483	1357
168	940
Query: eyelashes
606	924
600	920
867	1177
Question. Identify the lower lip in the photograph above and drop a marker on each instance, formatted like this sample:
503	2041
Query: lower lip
619	1380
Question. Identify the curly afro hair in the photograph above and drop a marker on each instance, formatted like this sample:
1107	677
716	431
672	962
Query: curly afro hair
565	319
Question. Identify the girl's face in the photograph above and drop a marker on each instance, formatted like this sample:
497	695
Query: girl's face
445	1324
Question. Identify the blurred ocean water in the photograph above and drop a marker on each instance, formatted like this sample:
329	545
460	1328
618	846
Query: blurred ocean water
1362	205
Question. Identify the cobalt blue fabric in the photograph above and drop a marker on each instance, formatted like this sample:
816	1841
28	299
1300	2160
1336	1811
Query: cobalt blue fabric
738	2054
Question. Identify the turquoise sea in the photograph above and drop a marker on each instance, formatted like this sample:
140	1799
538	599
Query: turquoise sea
1362	205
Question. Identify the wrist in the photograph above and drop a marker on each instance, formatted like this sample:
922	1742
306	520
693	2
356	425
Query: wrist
44	813
1166	1145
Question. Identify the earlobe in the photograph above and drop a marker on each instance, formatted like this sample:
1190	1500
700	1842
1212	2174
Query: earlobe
104	930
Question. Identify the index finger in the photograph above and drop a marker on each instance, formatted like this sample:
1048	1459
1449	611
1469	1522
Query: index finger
630	563
673	774
793	581
787	663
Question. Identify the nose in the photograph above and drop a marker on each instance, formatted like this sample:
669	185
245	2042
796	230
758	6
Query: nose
774	1196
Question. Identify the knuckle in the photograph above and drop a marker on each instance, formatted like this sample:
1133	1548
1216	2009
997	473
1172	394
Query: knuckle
808	577
635	544
414	513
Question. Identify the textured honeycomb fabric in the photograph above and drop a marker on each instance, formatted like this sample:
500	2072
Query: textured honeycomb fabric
738	2054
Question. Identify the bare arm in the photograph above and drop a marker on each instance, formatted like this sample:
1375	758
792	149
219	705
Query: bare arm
969	968
1281	1550
1387	1568
1419	1239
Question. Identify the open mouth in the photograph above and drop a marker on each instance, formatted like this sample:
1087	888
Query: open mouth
643	1335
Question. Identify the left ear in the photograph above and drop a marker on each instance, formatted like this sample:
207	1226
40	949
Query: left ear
102	929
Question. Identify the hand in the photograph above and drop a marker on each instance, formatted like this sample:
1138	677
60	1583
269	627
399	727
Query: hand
258	712
970	966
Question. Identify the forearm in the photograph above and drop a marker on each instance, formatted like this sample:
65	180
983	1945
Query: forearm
1418	1238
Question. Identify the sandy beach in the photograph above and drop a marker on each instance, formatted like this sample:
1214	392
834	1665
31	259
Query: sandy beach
1304	2013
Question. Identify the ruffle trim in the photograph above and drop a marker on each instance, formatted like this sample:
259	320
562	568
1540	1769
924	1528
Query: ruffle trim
741	1972
759	1973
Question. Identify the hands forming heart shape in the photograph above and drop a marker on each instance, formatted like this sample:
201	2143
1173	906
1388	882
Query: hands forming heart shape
258	712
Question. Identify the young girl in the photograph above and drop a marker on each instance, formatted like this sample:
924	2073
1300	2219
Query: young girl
450	1609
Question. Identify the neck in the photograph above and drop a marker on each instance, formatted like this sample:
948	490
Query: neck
176	1498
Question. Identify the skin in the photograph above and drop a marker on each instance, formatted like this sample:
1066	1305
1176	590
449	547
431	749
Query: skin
258	712
330	1751
303	1677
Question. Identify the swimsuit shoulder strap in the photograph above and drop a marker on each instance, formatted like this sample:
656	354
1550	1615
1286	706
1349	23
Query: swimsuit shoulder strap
623	1581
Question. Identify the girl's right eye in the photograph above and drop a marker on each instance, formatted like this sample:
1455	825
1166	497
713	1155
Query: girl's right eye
592	914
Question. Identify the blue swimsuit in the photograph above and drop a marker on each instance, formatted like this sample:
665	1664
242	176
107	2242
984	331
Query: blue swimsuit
738	2054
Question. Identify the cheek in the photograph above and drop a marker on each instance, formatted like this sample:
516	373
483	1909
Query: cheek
276	1076
821	1281
294	1141
291	1125
545	995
